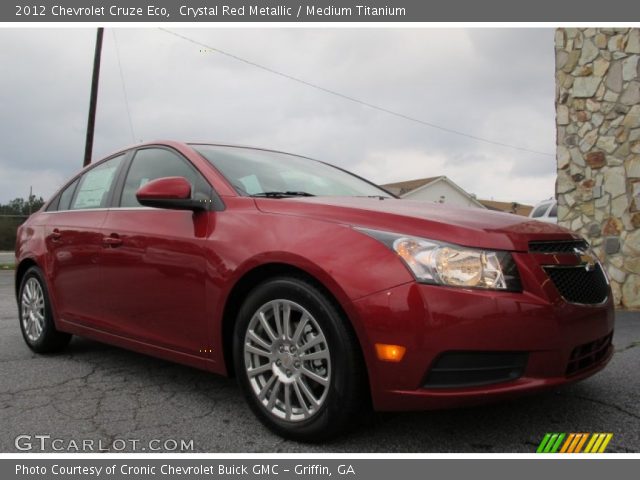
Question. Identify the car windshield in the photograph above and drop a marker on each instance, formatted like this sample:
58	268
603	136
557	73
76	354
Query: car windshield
540	210
264	173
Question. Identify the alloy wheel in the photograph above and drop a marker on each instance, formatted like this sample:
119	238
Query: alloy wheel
287	360
32	304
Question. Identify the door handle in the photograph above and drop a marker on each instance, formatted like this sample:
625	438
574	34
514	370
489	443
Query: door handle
55	235
112	241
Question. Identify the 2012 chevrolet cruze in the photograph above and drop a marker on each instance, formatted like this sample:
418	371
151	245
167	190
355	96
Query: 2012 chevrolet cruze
321	292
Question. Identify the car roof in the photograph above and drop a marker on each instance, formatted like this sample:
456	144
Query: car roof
175	143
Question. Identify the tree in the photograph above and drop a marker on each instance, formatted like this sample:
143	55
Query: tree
12	215
20	206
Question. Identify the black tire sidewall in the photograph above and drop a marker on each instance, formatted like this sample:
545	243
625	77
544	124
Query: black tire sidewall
335	410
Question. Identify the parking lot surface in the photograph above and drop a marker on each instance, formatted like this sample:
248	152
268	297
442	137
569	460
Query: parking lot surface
122	400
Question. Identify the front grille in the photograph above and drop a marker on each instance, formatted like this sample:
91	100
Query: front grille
565	246
589	354
577	285
468	369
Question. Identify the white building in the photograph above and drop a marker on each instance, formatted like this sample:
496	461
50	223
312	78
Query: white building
434	189
442	190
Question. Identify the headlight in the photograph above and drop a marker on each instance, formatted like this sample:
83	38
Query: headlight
447	264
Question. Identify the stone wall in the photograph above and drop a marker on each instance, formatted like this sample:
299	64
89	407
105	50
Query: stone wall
598	147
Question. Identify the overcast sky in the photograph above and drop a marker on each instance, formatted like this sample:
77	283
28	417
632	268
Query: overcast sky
491	83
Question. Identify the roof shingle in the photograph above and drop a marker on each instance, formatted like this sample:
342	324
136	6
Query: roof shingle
400	188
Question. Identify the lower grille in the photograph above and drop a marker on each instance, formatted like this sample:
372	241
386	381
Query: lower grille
467	369
588	355
577	285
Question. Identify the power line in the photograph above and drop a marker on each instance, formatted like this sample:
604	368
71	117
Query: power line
124	88
355	100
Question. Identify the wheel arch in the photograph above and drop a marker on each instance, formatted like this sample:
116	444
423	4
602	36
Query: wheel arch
260	274
22	267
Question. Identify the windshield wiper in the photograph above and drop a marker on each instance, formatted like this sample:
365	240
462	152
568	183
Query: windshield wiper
379	197
288	193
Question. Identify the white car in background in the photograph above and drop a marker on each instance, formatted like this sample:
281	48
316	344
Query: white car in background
546	211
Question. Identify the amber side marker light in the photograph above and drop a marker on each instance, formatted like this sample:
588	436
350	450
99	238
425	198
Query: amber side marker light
390	353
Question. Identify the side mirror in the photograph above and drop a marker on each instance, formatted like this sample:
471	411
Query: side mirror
169	192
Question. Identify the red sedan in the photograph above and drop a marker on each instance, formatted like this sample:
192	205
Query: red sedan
322	293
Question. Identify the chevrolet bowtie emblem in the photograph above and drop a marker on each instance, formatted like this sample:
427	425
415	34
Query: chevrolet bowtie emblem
586	259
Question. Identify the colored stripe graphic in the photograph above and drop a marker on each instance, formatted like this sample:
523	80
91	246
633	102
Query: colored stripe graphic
583	440
605	442
543	443
593	439
574	442
550	443
570	439
556	446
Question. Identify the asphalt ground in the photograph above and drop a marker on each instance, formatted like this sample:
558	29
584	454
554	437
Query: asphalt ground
124	401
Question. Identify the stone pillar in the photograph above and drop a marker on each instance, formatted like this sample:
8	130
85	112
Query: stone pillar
598	147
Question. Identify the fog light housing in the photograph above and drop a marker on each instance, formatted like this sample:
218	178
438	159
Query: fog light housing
390	353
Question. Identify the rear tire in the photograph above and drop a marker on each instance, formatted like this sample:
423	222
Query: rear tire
297	360
36	315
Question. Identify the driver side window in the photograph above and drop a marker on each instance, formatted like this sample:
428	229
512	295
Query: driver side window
153	163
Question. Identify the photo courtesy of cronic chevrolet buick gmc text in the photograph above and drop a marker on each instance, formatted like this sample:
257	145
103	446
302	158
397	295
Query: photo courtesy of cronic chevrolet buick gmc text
322	293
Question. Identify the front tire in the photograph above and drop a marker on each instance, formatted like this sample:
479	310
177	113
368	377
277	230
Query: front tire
36	315
297	360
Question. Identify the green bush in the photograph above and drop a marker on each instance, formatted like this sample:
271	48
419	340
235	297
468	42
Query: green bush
12	215
8	228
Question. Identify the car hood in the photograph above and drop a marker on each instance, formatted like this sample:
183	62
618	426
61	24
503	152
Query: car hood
472	227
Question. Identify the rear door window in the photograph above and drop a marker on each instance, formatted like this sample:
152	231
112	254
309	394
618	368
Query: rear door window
95	185
67	195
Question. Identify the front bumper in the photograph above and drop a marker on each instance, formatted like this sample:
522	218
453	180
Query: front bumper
434	320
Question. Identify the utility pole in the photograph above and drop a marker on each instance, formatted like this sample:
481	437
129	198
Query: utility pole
91	123
30	199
